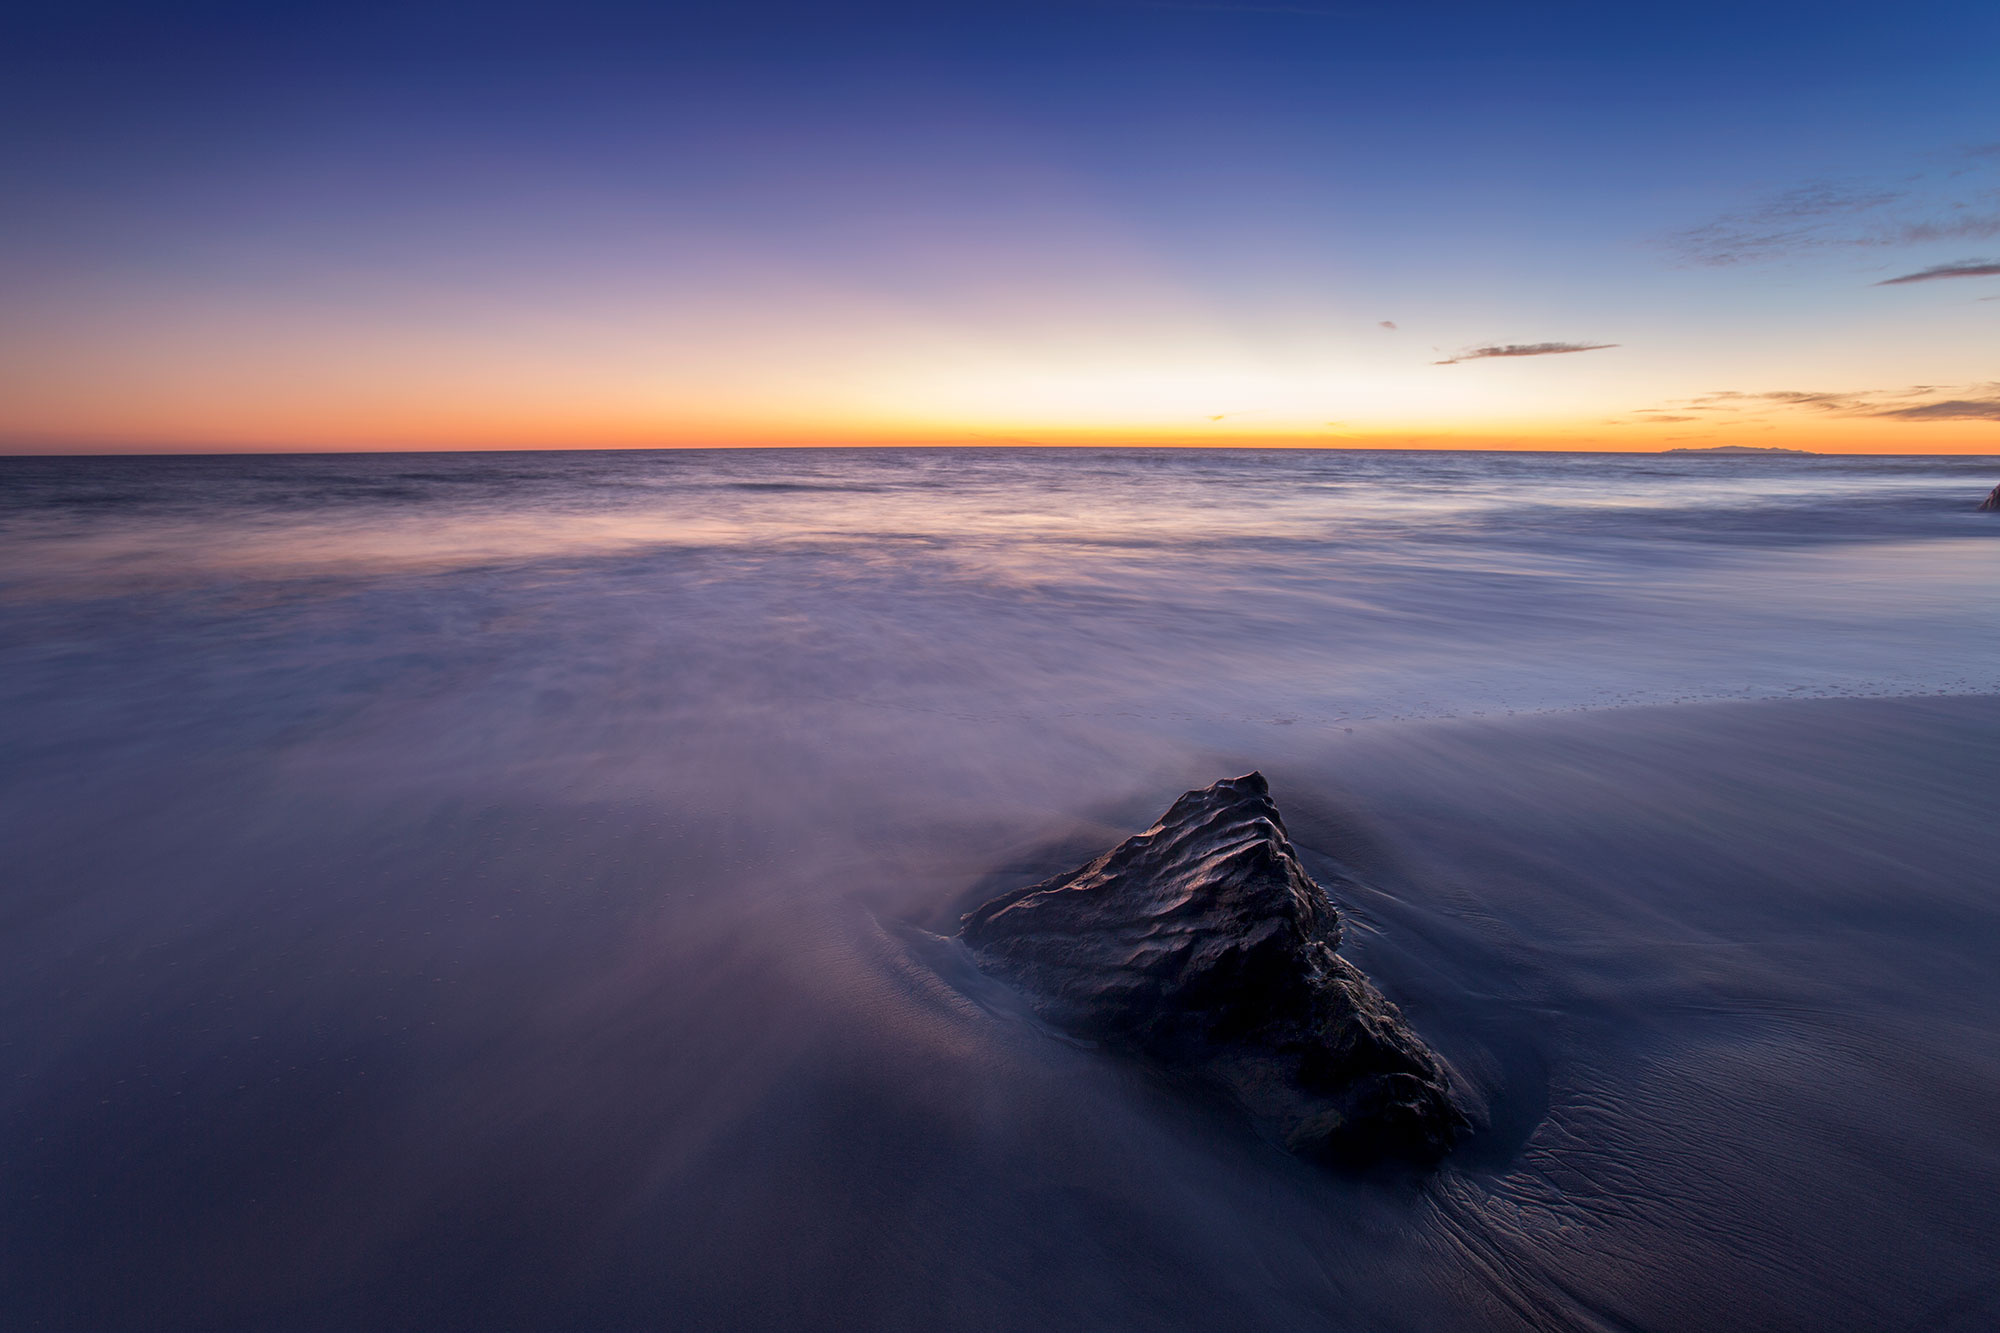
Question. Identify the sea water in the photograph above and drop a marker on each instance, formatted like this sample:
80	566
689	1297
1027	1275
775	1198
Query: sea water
488	890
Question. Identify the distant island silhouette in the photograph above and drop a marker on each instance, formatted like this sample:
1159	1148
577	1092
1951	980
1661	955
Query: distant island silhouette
1736	449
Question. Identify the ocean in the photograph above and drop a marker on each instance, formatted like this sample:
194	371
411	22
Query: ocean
499	890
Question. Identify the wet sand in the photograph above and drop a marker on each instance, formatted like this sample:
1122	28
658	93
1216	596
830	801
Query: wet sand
290	1054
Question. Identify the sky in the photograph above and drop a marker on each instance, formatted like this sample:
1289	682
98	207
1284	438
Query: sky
246	226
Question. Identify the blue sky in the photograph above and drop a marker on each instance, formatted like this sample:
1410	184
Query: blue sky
312	225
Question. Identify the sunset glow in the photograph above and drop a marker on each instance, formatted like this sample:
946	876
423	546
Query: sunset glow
1063	223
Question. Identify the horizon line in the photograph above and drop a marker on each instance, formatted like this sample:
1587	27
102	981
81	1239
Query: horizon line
224	451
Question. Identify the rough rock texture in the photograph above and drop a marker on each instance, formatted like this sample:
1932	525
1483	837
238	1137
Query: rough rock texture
1991	503
1204	945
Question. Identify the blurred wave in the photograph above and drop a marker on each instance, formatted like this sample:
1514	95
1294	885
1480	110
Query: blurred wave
479	891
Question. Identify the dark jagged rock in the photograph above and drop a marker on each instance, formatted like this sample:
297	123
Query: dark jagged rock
1204	945
1991	504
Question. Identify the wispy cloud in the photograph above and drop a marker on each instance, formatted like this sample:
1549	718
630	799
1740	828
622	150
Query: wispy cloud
1950	409
1807	398
1968	227
1963	268
1803	217
1388	324
1917	402
1522	349
1956	198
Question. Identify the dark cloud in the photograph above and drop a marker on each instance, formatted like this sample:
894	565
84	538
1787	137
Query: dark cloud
1388	324
1949	409
1963	268
1522	349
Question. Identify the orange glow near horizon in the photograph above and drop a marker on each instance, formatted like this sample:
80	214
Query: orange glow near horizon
763	355
313	389
451	433
1125	362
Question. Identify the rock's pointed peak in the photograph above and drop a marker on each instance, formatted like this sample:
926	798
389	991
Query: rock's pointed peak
1219	856
1252	788
1249	794
1204	943
1992	502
